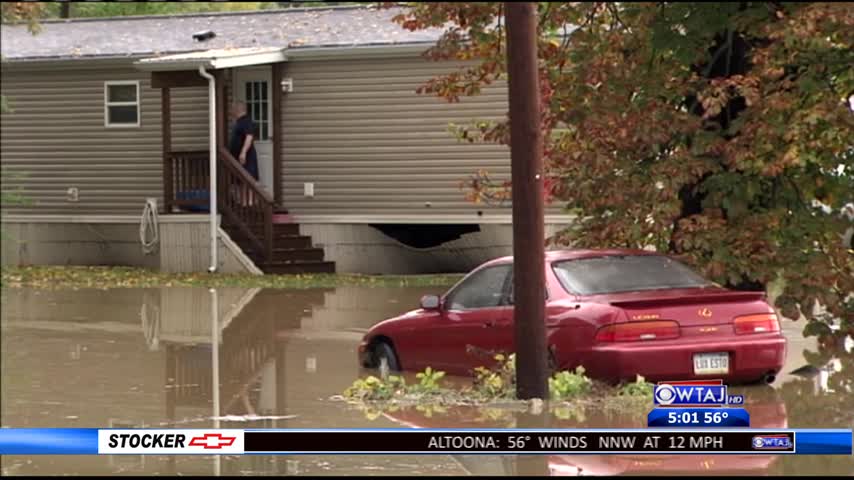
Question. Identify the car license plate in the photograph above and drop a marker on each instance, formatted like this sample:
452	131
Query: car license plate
711	363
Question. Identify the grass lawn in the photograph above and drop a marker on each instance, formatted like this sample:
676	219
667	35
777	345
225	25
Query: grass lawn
58	277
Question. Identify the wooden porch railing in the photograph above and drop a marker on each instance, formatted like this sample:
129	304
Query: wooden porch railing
186	179
242	201
245	204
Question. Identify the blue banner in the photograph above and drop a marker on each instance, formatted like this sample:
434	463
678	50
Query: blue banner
684	440
48	441
698	417
823	442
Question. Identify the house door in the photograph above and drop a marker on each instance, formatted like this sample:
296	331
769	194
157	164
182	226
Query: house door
254	86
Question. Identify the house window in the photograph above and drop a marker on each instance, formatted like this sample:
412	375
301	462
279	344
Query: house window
258	107
121	104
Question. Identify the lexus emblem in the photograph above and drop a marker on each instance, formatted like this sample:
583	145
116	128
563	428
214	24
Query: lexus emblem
704	312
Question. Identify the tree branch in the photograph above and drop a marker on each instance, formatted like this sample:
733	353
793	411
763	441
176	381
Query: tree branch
614	9
723	48
544	17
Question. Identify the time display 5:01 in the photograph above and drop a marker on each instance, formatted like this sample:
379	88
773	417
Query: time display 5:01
694	418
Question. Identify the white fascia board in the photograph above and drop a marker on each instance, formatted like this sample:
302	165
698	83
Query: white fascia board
249	59
171	66
213	60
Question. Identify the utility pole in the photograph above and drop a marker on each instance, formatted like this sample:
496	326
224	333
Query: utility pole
526	153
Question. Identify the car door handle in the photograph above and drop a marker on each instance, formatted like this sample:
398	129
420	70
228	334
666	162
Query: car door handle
489	323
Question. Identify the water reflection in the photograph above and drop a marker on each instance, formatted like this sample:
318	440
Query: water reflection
145	358
250	358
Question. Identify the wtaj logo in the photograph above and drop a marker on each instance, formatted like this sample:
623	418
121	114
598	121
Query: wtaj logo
694	394
771	442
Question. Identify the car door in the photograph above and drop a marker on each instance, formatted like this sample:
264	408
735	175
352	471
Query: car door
500	337
470	313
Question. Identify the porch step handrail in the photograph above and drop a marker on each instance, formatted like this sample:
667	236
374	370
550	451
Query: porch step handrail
244	203
185	178
227	157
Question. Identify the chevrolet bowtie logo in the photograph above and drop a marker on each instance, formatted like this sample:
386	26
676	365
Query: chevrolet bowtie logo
212	441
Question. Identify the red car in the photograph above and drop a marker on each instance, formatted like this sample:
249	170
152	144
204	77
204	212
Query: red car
619	313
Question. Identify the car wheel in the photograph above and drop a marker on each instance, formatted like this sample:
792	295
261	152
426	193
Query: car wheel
384	353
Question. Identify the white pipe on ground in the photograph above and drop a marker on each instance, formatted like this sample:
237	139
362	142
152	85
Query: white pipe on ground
213	152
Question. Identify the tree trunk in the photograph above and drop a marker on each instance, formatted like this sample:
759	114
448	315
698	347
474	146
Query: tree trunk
526	153
65	10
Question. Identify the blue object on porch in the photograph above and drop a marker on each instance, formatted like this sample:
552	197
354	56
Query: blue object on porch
195	195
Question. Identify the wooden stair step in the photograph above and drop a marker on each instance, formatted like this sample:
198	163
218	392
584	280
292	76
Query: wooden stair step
315	254
289	254
292	241
297	267
278	228
279	241
293	253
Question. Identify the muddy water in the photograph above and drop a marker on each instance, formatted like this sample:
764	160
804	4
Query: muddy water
144	358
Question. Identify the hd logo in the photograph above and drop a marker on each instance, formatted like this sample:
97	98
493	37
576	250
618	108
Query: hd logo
183	442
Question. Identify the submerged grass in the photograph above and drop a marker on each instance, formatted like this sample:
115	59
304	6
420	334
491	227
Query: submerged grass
571	392
73	277
375	397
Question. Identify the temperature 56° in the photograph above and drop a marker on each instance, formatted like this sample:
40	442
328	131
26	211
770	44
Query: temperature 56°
715	417
519	442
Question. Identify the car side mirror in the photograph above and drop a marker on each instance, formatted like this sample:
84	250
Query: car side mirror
430	302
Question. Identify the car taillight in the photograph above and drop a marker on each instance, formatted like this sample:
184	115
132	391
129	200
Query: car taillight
758	323
638	331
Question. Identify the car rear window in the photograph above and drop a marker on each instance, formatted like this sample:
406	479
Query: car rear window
593	276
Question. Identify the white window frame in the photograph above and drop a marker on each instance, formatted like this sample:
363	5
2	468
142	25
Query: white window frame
269	101
250	74
108	104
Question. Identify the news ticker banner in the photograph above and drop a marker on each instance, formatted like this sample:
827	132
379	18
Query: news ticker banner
92	441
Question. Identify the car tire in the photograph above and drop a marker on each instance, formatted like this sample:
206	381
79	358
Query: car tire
383	350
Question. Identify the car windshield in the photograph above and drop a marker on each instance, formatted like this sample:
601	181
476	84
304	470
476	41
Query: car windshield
593	276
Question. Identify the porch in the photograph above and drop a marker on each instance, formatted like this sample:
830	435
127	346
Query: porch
250	210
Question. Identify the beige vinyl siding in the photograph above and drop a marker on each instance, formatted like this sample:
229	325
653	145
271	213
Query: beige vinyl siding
372	146
55	138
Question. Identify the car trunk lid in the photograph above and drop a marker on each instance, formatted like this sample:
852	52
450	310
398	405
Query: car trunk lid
690	308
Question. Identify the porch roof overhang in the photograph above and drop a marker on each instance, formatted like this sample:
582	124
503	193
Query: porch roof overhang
213	59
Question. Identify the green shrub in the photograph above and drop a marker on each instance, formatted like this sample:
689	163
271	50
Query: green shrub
373	388
428	381
498	383
565	385
639	388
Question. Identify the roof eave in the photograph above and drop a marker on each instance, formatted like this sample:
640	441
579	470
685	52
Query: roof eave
290	54
172	66
353	51
157	64
260	58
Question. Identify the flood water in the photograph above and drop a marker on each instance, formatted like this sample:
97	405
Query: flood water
144	358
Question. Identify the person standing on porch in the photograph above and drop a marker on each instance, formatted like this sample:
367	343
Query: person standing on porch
241	146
